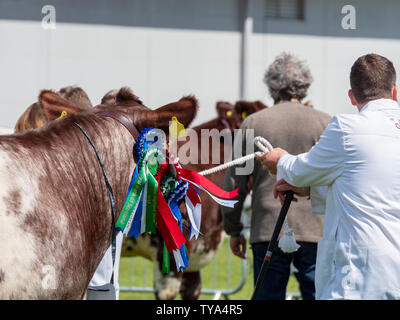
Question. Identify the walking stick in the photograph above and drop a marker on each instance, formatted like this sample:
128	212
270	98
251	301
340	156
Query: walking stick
273	242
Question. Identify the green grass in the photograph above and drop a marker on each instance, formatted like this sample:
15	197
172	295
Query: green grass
142	271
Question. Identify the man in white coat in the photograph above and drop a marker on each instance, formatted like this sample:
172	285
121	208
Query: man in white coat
358	160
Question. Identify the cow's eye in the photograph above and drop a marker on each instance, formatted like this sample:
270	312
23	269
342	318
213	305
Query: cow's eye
244	115
229	113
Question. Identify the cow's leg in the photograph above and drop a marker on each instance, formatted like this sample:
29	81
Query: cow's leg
191	285
166	286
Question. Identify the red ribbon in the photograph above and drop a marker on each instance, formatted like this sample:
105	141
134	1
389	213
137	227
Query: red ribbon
169	228
198	179
166	223
193	196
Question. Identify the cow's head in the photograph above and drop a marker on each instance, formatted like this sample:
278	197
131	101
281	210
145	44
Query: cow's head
35	116
110	97
227	115
123	95
32	118
77	96
245	108
127	103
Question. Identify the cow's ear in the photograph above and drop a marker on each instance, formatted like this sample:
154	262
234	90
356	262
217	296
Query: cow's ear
185	110
121	96
125	94
53	105
260	105
224	109
246	107
110	97
77	96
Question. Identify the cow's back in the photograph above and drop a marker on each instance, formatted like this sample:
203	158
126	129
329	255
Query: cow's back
55	217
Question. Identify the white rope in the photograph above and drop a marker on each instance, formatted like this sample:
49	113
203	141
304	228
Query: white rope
287	243
262	143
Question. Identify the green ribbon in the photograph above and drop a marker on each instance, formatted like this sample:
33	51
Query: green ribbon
151	200
168	184
147	170
151	203
165	262
186	251
132	200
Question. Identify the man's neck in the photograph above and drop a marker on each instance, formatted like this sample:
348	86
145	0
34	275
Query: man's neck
360	106
288	100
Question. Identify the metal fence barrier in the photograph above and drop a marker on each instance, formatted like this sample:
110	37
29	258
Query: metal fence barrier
215	289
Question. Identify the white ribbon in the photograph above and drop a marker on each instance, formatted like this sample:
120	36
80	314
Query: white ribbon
222	202
194	213
178	260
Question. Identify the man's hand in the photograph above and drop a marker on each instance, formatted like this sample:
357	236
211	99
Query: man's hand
238	246
281	186
270	160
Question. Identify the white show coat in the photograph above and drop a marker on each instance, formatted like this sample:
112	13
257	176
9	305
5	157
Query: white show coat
103	273
358	158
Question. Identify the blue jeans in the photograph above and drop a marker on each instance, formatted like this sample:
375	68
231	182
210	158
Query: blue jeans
277	276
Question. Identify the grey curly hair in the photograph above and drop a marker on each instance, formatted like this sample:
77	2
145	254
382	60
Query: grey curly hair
288	78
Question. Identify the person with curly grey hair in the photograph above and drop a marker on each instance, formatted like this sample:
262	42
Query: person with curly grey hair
292	126
288	79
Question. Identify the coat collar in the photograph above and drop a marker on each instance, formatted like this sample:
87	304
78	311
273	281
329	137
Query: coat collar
380	104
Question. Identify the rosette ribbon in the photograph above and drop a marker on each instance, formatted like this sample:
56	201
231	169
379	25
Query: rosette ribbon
157	188
173	197
139	212
185	188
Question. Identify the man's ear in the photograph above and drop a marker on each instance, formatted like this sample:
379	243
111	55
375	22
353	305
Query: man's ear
352	98
394	93
53	105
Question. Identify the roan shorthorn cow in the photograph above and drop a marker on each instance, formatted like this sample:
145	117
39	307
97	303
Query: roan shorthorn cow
55	216
204	249
35	117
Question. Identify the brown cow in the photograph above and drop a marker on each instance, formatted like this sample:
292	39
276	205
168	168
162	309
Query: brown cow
55	222
244	108
34	117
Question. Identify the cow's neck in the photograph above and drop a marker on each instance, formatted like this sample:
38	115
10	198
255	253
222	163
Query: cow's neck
70	159
114	144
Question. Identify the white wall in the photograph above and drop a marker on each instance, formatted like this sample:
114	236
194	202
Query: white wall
329	50
164	49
